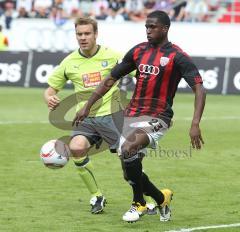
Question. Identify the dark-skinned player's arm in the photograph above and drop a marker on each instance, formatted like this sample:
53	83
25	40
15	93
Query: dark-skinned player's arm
199	103
101	90
190	73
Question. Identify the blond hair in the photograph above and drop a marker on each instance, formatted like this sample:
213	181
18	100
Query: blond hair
86	21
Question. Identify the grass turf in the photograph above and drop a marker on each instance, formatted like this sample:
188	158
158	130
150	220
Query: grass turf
35	198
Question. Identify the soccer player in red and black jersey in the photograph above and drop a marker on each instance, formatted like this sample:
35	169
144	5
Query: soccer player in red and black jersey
160	66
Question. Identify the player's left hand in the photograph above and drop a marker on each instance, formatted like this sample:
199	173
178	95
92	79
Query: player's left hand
80	115
196	137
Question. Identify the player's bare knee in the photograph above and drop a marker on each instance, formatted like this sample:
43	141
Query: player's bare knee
79	146
77	150
128	150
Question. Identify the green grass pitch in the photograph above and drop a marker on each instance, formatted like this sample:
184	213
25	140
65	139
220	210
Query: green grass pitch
206	183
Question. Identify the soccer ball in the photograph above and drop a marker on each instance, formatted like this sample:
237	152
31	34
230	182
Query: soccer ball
54	154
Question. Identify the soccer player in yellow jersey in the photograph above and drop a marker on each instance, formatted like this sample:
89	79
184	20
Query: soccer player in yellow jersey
86	68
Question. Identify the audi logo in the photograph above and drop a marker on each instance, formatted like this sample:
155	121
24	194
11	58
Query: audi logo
148	69
53	39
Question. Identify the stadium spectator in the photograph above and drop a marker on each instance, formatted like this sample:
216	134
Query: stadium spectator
196	11
213	5
169	6
160	66
178	11
42	8
116	11
164	5
22	13
1	8
86	8
8	13
58	15
135	10
71	7
24	8
3	40
149	5
214	10
100	9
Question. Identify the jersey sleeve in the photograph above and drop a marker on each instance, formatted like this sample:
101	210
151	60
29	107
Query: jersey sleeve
188	69
58	78
125	67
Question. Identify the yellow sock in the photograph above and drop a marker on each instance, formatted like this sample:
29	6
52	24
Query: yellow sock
85	170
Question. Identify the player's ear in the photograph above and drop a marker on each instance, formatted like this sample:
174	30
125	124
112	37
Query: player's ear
165	29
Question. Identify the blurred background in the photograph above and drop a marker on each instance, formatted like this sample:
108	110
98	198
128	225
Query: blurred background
37	34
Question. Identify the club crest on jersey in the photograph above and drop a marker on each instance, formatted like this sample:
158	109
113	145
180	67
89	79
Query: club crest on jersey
164	61
104	63
76	66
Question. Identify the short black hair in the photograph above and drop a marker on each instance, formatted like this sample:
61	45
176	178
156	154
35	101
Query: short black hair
162	17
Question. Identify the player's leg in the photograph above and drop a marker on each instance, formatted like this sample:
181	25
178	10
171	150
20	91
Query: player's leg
79	147
131	155
162	198
151	190
91	132
110	128
151	207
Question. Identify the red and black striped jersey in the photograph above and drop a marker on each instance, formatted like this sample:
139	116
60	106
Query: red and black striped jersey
159	71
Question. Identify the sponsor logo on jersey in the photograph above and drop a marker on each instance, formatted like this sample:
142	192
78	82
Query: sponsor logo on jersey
91	79
148	69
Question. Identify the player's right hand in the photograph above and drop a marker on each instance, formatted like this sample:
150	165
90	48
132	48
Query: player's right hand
80	115
53	102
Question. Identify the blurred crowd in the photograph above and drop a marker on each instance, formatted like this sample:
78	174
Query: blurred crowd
110	10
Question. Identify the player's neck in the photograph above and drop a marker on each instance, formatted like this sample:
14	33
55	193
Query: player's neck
162	43
90	53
